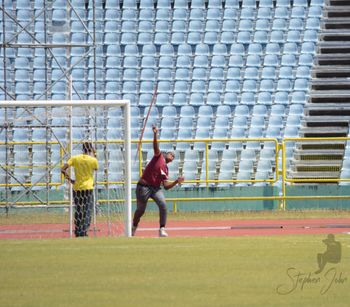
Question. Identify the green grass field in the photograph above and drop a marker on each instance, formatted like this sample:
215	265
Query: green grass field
215	271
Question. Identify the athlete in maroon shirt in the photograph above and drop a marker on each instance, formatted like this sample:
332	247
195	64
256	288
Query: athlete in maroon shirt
149	186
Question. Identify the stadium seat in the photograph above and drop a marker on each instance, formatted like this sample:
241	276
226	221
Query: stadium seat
271	60
286	72
216	73
267	85
296	24
181	86
243	37
277	109
184	134
148	62
281	97
275	121
279	24
232	86
182	74
169	111
303	72
306	59
268	72
288	60
235	61
220	49
293	120
201	133
214	13
233	73
166	61
245	167
214	98
273	48
197	86
249	85
315	11
161	26
199	74
161	38
294	36
228	25
264	98
290	48
310	36
165	74
298	97
261	37
180	99
301	85
197	4
215	86
230	99
257	121
217	61
282	12
277	36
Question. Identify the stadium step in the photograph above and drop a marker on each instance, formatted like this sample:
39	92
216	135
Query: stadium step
317	166
337	121
337	100
327	84
322	147
321	72
313	132
327	113
313	154
315	175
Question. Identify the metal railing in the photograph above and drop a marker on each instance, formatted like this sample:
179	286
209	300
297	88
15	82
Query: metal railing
279	176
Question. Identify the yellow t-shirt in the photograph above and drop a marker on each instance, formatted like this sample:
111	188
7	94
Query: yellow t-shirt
84	166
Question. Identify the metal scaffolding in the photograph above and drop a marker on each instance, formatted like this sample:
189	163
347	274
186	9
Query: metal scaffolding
45	30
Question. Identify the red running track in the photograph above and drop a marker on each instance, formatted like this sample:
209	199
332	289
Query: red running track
192	228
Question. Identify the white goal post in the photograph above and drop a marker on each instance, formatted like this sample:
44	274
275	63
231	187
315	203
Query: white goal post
32	171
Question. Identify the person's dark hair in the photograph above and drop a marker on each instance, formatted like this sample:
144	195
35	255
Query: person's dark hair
164	153
87	147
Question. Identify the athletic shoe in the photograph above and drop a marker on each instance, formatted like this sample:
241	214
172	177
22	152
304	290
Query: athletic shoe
162	232
133	230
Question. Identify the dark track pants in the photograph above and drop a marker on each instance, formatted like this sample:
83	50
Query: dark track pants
143	193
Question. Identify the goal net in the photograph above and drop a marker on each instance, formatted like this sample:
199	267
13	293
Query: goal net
37	140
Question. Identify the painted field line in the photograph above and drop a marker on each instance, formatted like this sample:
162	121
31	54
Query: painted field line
31	231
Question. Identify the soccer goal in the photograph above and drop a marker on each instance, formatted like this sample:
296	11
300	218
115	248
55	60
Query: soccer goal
36	141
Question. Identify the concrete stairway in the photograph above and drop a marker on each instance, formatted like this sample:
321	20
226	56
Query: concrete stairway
328	112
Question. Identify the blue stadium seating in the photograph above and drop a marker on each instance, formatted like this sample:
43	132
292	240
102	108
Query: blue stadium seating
203	53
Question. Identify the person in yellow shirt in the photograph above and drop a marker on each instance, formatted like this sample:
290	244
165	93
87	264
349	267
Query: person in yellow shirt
83	187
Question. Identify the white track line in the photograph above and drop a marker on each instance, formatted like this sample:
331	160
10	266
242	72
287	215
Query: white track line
188	228
252	227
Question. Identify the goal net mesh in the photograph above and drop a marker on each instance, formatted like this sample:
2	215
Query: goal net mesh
35	142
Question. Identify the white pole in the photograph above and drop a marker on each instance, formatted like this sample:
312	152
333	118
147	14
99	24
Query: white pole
127	171
70	154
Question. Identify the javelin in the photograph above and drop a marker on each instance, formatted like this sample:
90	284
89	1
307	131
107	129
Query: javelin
146	119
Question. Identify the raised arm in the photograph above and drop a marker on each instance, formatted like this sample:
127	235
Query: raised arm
155	141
